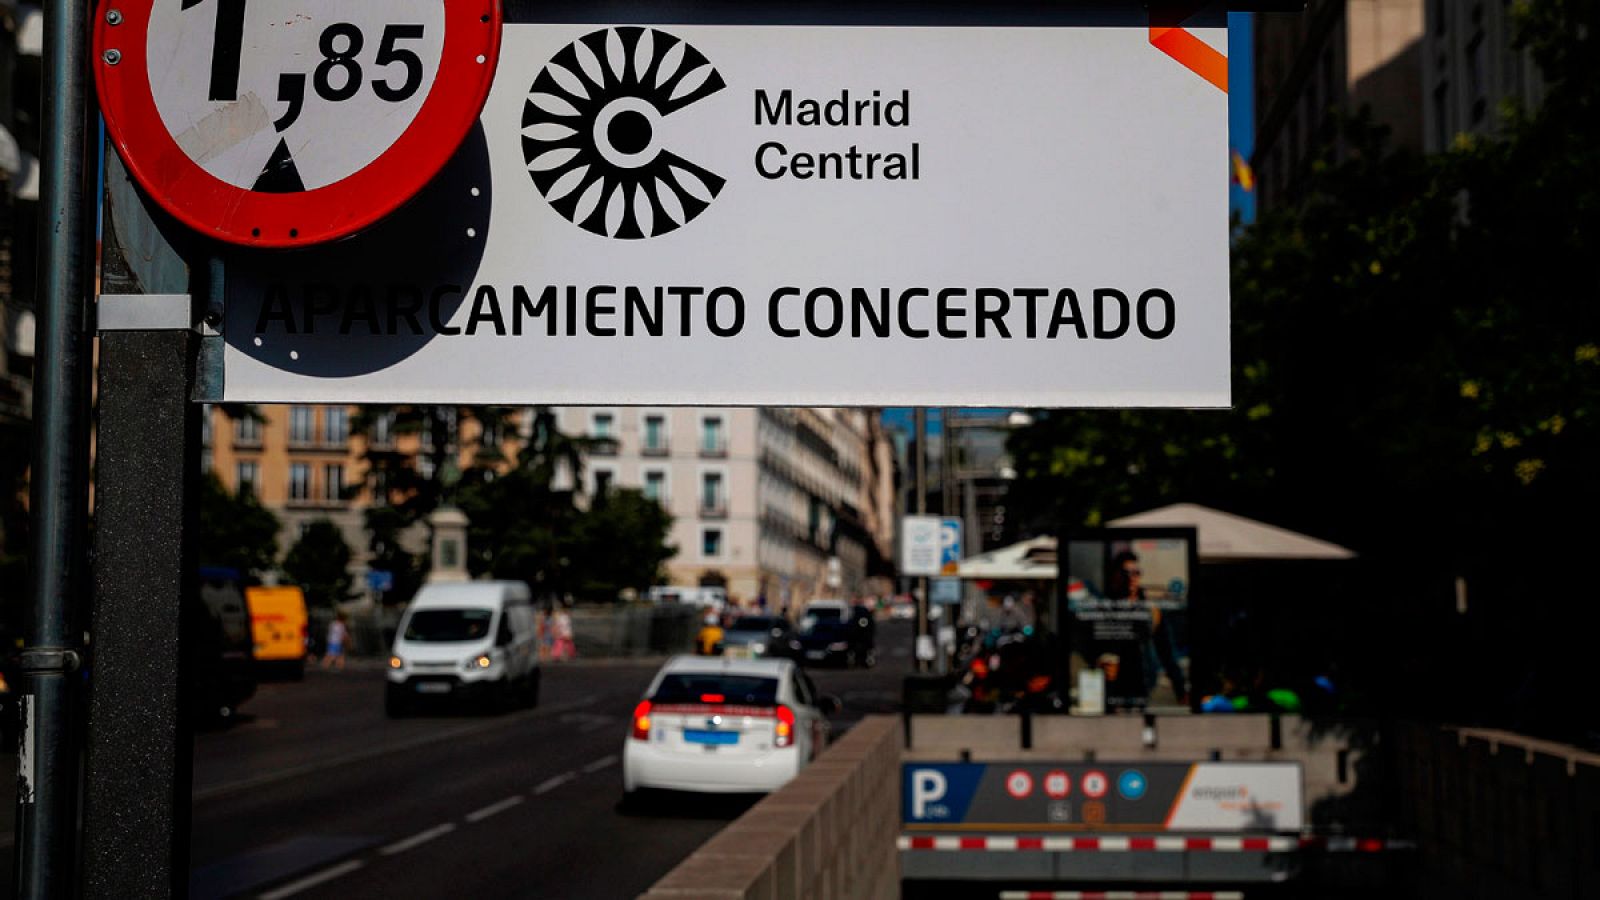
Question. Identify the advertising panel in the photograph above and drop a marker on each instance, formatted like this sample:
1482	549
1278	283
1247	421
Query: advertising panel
1108	796
1125	596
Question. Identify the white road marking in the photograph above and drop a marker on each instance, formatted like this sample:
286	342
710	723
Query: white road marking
600	763
421	740
418	839
311	881
550	784
479	815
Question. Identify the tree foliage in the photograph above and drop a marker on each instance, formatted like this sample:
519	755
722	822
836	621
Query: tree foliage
320	563
1416	373
236	531
527	523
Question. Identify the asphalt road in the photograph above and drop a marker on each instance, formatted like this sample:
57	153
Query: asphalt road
315	794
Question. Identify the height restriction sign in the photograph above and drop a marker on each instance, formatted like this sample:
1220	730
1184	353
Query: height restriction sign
281	123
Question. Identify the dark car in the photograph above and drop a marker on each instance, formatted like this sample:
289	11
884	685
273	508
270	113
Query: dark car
755	636
220	647
849	641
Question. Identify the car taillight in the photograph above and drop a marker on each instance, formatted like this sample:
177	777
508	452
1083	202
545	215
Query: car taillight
980	668
785	730
641	721
713	698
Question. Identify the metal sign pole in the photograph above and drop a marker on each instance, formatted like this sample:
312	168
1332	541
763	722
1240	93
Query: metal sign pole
47	771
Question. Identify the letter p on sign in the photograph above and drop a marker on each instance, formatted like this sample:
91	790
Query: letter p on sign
927	786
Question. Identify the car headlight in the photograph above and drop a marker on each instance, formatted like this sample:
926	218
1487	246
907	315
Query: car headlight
758	647
481	661
839	647
396	662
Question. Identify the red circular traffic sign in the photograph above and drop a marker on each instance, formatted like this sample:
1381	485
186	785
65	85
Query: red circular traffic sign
1095	784
1057	784
1019	784
282	123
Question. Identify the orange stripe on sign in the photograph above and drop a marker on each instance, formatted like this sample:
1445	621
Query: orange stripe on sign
1196	55
1178	800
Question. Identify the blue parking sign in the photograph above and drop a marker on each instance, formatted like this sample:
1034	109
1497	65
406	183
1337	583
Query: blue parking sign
949	545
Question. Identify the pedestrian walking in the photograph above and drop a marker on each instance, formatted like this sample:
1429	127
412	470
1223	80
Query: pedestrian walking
338	637
564	648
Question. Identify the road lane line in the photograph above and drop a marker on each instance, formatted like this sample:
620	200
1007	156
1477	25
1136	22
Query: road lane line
478	815
418	839
550	784
600	763
422	740
311	881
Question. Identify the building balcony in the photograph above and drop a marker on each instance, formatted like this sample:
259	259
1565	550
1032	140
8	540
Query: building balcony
718	510
714	451
659	449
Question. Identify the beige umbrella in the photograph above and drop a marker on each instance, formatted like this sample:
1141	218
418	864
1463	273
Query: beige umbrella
1225	537
1034	558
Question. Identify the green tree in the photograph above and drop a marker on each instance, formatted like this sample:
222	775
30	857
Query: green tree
521	521
320	563
1416	374
619	542
404	492
236	531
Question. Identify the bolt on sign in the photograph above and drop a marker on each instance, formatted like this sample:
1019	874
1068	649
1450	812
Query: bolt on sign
1009	205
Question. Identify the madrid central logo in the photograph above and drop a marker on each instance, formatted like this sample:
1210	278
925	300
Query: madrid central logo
591	132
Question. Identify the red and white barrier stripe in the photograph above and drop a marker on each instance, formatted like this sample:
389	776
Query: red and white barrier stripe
1121	895
1344	844
1114	844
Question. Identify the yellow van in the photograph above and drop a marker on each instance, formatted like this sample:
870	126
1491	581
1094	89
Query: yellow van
278	621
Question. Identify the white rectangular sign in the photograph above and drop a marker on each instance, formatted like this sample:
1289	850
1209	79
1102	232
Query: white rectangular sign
920	545
785	215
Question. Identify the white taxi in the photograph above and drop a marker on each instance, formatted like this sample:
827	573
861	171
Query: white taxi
719	725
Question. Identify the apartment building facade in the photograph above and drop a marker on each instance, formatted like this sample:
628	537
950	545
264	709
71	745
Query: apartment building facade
1471	68
1336	56
784	504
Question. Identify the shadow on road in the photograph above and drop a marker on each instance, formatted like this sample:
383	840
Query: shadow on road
680	805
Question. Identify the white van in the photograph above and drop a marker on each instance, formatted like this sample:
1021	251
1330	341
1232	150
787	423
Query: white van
473	641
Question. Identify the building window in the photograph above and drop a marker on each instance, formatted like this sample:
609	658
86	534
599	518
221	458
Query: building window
333	482
712	501
1477	79
604	426
383	430
655	485
712	440
603	479
299	482
711	543
655	434
248	475
1441	117
247	430
337	425
302	424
